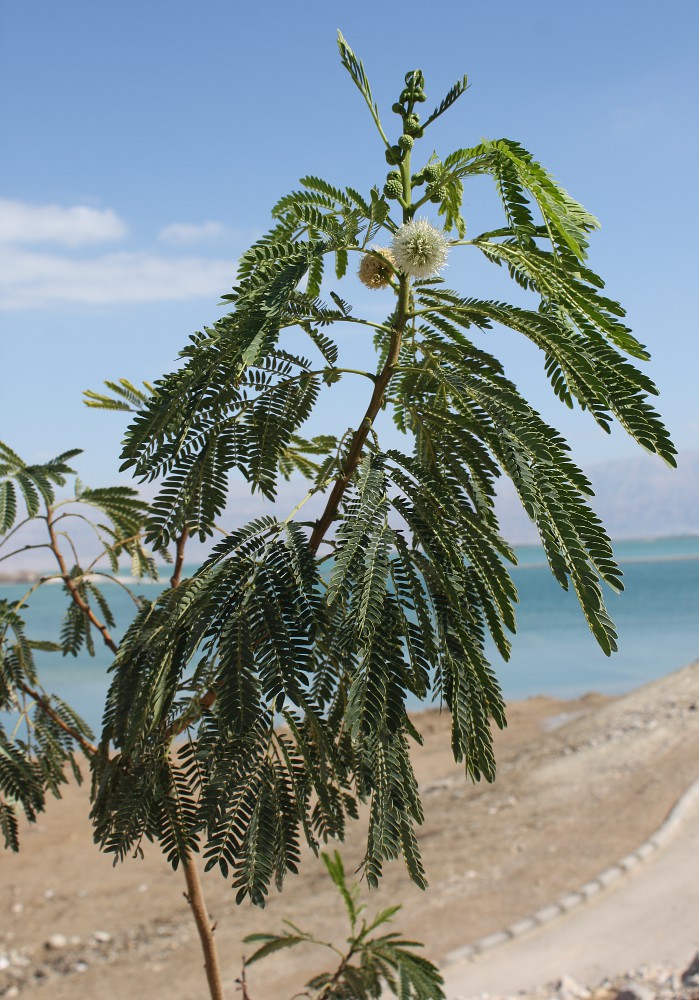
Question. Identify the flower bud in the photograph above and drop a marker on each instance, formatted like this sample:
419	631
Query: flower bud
406	142
432	171
397	108
411	125
393	189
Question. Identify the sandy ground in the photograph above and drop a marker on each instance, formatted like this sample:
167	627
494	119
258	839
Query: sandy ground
580	784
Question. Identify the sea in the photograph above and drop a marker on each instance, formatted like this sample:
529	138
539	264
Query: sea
553	652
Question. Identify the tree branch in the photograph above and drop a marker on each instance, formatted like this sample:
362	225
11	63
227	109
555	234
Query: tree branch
43	704
179	558
74	592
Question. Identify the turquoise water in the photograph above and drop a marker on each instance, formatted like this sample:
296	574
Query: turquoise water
657	619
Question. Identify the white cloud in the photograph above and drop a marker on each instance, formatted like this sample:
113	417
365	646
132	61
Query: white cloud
21	222
182	234
30	280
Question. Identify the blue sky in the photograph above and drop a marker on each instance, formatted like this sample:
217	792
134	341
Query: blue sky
146	142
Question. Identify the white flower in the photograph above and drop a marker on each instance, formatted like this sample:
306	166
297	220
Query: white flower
376	268
419	249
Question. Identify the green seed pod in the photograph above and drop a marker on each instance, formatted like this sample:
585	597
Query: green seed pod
406	142
393	189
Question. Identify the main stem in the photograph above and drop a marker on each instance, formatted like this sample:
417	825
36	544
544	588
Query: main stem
197	904
195	893
383	378
359	437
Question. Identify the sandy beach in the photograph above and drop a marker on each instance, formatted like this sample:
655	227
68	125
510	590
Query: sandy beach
580	784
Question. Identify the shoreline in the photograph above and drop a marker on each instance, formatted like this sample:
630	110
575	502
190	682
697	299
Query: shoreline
570	799
28	574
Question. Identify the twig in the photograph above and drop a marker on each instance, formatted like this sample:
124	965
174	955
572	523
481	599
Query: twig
45	707
242	984
74	592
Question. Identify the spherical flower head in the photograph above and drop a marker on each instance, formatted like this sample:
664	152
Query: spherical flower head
419	249
376	268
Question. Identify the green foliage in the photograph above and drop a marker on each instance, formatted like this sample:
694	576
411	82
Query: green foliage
36	730
124	395
418	578
40	736
34	482
370	963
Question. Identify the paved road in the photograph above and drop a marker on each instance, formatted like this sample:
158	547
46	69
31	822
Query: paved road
651	915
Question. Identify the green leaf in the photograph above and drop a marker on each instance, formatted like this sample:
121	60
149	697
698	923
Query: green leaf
273	943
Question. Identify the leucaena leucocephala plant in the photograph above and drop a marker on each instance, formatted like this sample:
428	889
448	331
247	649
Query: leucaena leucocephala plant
258	703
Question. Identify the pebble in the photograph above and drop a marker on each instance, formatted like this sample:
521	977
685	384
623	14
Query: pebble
570	988
57	942
102	937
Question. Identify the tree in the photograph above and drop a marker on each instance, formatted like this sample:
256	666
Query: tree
255	704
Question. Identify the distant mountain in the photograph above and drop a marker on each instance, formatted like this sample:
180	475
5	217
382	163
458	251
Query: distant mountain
636	498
